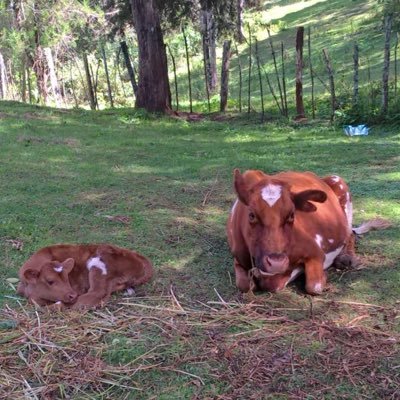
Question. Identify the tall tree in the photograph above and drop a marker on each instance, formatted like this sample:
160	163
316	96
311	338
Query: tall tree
153	85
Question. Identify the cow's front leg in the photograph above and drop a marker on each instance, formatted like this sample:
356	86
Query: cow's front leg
98	293
315	276
241	277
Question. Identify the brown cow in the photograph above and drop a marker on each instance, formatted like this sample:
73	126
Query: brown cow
284	224
81	276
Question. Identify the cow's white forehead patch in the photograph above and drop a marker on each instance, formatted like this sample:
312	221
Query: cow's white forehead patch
95	262
59	268
271	194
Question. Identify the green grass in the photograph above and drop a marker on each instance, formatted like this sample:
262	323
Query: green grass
61	174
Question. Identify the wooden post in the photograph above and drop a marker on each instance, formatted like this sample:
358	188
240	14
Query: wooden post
89	82
356	64
299	73
331	82
188	69
276	71
226	58
129	67
284	80
240	78
249	82
260	79
109	91
395	64
311	74
175	77
386	64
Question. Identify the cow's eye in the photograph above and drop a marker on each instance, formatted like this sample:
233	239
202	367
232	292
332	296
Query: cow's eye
50	282
252	217
290	218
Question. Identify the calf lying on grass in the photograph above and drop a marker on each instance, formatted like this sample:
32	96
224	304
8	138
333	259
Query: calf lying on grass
81	276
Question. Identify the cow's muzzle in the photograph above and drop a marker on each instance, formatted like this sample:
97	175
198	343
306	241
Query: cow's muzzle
70	298
272	264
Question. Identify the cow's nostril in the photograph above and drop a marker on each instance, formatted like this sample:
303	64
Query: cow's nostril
72	296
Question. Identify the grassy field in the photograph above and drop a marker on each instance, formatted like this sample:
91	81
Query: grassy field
66	176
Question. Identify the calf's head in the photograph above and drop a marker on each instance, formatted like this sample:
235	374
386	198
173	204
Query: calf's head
269	218
50	282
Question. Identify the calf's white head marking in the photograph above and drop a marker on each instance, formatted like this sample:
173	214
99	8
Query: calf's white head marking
271	193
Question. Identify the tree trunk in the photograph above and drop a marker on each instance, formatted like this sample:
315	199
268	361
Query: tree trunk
395	65
3	78
386	64
209	37
129	67
109	91
39	67
90	91
23	83
55	88
299	73
239	21
153	89
226	58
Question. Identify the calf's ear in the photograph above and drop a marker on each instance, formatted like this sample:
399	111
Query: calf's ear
68	264
241	187
31	275
302	200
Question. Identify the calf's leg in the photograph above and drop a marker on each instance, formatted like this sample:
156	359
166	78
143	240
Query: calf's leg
99	290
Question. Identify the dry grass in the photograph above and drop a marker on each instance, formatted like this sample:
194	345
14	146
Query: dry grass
255	347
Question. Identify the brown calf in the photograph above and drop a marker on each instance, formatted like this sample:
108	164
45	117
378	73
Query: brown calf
284	224
81	276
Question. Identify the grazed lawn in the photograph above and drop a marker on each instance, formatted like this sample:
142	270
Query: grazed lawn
63	174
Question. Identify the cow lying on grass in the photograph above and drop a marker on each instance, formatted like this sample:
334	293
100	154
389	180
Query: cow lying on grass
284	224
81	276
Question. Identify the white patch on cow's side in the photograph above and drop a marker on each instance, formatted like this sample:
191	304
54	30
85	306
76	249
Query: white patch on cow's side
59	268
341	186
329	257
234	207
129	292
95	262
318	240
58	302
331	240
335	178
271	194
348	209
295	273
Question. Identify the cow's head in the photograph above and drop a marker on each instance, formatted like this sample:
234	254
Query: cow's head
50	282
271	213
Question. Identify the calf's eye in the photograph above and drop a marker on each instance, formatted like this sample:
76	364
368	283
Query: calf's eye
50	282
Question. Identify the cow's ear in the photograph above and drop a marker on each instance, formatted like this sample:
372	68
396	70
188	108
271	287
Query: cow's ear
302	200
68	264
31	275
241	187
